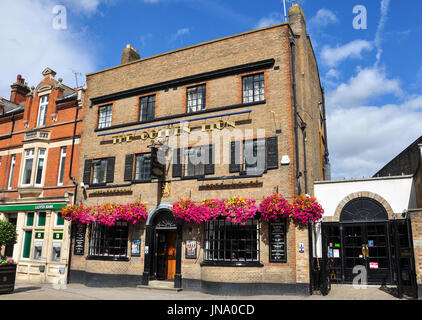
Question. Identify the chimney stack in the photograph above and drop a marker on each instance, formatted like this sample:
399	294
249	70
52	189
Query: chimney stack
19	90
297	20
130	54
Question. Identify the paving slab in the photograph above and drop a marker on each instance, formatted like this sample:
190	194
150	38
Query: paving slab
27	291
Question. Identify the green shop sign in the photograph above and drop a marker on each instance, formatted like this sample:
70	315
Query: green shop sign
33	207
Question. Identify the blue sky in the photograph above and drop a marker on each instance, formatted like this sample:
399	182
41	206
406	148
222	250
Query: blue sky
372	77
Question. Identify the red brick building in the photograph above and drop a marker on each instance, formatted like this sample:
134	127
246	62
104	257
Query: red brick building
39	151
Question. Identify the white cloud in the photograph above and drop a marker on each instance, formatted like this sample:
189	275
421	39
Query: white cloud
368	84
271	19
323	18
334	56
30	44
363	139
380	29
332	73
179	34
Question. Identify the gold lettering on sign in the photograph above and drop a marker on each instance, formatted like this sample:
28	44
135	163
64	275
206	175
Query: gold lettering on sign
220	125
122	138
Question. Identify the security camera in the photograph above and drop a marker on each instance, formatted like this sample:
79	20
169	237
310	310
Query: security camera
82	185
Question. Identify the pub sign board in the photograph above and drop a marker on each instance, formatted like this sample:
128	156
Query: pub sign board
278	241
79	248
157	167
191	246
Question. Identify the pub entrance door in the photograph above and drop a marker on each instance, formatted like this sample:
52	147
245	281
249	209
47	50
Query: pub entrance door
366	245
165	254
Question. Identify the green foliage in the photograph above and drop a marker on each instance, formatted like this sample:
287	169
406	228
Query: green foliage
7	233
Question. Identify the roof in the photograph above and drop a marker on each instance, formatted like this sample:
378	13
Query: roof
10	107
407	162
68	97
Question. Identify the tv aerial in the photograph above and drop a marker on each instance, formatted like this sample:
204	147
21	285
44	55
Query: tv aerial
285	6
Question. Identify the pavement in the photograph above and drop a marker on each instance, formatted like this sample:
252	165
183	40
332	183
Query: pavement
28	291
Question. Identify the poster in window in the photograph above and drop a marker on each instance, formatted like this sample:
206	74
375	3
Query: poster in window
191	246
136	248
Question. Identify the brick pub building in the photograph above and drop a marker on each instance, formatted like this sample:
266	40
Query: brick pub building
258	90
39	138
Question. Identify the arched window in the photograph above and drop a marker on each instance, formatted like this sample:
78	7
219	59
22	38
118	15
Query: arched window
364	210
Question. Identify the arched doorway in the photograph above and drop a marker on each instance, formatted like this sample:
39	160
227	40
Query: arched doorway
359	244
163	245
366	241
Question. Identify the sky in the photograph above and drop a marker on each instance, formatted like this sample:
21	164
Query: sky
371	72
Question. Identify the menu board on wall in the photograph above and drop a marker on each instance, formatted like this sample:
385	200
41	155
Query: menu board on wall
79	248
278	241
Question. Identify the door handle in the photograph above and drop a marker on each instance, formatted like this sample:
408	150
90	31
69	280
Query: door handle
365	251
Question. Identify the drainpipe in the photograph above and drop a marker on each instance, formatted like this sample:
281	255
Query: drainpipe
298	173
75	183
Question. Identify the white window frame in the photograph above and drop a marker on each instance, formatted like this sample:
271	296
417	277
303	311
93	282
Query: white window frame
40	157
42	110
56	217
105	116
63	151
12	172
28	156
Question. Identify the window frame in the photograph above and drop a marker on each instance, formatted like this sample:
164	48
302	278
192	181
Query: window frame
44	158
62	164
43	106
99	236
27	157
93	165
108	116
245	165
202	99
254	94
11	172
216	245
186	157
151	101
143	155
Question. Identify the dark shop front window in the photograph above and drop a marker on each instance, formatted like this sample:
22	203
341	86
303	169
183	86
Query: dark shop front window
227	242
109	242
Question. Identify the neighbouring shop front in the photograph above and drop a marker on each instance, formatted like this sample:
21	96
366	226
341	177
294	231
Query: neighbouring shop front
41	250
363	240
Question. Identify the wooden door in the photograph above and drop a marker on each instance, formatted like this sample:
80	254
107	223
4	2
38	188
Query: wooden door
171	255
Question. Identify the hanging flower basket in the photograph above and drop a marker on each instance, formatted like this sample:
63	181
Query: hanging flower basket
275	207
236	210
185	209
239	210
306	210
106	214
